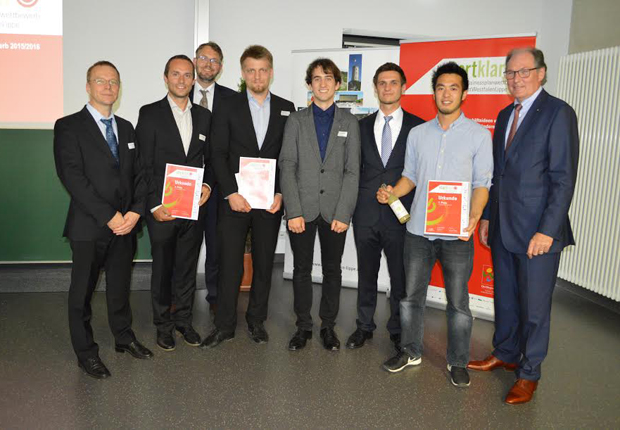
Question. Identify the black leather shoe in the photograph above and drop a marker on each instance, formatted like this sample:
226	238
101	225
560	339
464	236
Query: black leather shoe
330	340
258	333
215	338
190	336
395	338
166	341
93	366
136	349
358	338
299	339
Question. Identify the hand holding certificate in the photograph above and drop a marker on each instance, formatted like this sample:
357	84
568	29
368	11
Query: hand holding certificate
447	210
181	193
256	181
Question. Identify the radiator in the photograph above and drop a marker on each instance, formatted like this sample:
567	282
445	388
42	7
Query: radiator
590	83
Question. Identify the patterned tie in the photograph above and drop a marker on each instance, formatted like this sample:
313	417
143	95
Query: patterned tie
386	141
513	128
204	101
110	137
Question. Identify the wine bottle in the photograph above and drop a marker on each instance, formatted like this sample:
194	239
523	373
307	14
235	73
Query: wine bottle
397	207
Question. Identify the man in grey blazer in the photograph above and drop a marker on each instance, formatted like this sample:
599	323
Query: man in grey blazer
319	176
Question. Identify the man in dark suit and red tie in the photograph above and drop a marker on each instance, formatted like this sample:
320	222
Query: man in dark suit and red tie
383	140
175	131
536	150
208	94
97	163
248	124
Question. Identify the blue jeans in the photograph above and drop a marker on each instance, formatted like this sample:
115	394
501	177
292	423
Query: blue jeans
457	260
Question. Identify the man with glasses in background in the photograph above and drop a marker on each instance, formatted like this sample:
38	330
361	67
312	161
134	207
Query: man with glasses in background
208	94
536	150
96	161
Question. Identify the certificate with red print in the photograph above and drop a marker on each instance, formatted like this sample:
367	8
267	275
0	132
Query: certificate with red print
182	188
256	181
447	208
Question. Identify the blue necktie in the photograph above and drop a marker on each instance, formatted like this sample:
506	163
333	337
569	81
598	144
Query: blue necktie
110	137
386	141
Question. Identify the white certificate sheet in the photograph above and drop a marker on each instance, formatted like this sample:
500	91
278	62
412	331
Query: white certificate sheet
256	181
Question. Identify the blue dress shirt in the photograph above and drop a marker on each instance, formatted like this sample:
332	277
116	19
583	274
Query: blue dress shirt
323	120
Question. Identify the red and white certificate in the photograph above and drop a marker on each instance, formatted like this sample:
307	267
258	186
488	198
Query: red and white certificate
182	188
256	181
447	208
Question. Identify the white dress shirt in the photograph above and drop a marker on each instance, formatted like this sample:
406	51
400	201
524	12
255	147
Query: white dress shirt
395	124
183	118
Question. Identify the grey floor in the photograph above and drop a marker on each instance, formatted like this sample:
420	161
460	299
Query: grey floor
246	386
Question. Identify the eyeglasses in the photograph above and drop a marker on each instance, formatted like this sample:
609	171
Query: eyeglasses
524	73
112	82
212	61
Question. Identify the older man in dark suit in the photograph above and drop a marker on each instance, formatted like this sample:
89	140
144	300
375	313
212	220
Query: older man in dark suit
173	131
319	166
383	141
249	124
97	163
536	150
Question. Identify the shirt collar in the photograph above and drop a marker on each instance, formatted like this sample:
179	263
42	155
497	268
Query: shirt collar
96	114
210	88
328	113
396	115
253	100
528	101
456	123
176	107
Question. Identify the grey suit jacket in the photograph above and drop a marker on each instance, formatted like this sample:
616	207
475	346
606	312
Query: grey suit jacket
311	187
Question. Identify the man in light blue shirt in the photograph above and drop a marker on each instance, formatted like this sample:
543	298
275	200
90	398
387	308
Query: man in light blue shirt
450	147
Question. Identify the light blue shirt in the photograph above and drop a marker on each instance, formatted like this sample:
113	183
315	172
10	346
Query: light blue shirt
98	117
260	117
525	107
463	152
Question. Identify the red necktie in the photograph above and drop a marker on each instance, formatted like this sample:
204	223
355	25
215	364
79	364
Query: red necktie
513	129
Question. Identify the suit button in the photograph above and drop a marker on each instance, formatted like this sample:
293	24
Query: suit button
321	192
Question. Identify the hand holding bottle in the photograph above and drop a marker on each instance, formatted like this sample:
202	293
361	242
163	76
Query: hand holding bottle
385	195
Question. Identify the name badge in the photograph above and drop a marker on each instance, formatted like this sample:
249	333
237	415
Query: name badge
202	137
131	145
284	113
342	134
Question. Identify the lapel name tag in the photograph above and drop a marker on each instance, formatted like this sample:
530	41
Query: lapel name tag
131	145
342	134
202	137
284	113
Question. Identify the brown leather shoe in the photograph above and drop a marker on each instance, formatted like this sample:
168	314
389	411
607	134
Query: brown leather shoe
491	363
521	392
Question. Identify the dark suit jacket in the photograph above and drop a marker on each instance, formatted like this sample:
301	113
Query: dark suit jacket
533	183
159	142
233	136
220	92
97	186
368	211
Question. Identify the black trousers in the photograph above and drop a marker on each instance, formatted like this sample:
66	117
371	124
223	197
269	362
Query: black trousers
174	246
211	257
115	255
370	241
232	230
332	247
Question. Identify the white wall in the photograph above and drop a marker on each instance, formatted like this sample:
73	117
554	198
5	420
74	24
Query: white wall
138	36
283	26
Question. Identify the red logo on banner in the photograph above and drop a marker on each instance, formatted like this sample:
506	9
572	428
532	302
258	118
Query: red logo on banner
27	3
